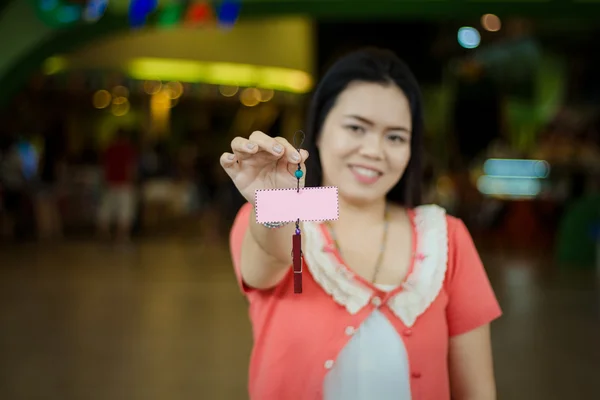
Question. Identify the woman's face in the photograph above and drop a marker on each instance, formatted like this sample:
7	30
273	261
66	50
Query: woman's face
364	144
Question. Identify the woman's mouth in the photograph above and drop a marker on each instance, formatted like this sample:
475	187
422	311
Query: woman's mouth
365	175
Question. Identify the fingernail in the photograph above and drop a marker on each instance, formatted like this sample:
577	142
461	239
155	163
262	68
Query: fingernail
296	157
278	148
231	156
250	146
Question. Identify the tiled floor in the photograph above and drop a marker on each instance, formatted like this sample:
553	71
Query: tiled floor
165	321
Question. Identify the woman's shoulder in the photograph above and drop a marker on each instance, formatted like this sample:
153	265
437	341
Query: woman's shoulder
433	213
451	233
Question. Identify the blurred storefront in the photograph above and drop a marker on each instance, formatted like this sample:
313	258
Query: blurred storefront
182	92
509	91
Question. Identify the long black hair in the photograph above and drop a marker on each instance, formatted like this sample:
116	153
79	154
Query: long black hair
376	66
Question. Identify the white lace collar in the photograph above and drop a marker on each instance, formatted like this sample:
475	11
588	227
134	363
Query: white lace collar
417	292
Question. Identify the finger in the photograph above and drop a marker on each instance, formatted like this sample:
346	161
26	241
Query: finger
293	167
267	144
243	148
229	164
228	160
304	154
291	153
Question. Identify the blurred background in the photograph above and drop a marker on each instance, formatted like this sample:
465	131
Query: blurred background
123	107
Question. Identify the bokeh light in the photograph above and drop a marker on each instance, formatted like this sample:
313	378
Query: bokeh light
162	98
300	81
48	5
139	11
120	91
229	11
198	13
468	37
174	90
516	168
165	98
94	10
101	99
491	23
171	14
54	65
250	97
511	187
152	87
120	106
67	14
266	95
228	91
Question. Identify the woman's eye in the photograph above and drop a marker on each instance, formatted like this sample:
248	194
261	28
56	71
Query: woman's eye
397	138
355	128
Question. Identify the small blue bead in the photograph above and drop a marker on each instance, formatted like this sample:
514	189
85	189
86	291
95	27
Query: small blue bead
297	231
299	173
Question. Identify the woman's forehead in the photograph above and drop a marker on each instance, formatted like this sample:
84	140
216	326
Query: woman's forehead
381	104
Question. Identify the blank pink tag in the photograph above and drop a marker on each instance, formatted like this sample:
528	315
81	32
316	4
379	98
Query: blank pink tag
289	205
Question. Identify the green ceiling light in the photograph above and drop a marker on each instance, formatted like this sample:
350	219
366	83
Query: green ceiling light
166	70
170	14
217	73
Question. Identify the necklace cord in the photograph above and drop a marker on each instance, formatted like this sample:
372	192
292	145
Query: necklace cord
298	139
382	249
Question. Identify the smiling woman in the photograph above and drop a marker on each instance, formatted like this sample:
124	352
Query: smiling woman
383	111
396	303
368	144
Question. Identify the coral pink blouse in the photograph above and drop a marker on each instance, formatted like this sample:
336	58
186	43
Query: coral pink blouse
298	337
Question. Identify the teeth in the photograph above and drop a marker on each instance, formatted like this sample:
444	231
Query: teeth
366	172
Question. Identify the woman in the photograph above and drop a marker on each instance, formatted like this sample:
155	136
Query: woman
396	302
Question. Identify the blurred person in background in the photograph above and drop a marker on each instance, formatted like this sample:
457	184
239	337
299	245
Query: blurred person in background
52	170
186	159
118	201
11	180
16	170
396	303
89	154
157	184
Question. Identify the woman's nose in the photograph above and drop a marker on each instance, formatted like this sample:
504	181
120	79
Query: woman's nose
372	146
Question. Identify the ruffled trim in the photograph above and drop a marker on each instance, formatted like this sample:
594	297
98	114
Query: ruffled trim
418	291
334	278
431	260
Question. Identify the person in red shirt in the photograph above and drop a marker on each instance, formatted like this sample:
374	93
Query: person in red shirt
118	201
396	303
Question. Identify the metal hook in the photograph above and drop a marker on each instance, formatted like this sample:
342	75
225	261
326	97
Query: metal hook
299	145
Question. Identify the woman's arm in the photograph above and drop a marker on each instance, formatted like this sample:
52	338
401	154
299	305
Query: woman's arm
266	254
471	365
472	306
262	256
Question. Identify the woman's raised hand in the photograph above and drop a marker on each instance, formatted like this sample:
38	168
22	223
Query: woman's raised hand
263	162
